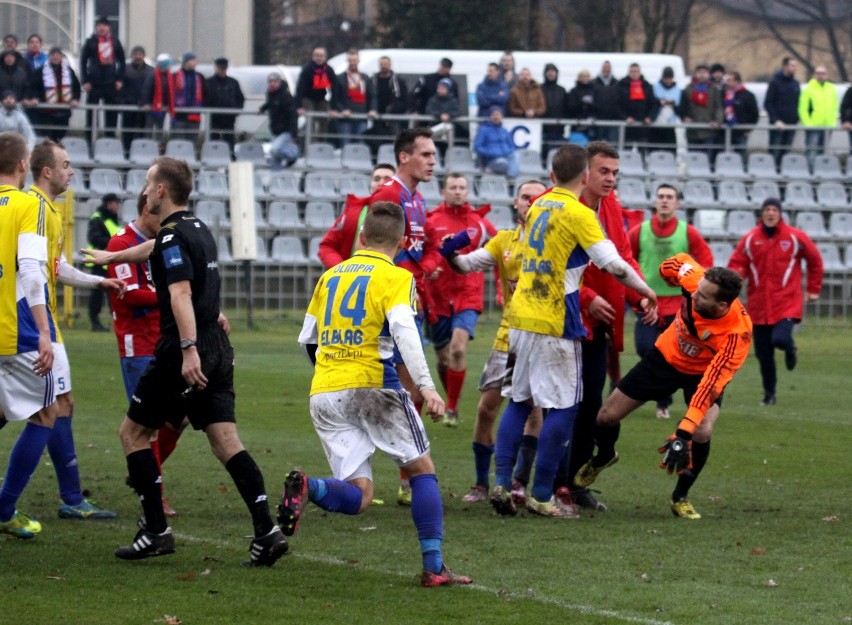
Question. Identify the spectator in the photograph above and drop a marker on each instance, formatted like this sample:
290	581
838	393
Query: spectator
427	86
526	99
13	76
652	242
555	104
135	74
668	95
494	146
770	256
222	91
10	43
157	96
846	113
103	224
701	103
609	107
188	91
740	107
355	95
637	104
102	71
391	94
283	121
817	107
582	105
507	69
34	55
717	75
445	107
14	119
316	84
56	83
782	106
492	91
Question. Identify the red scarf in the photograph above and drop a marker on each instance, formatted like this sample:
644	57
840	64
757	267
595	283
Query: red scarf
180	90
157	104
105	52
356	89
700	93
637	90
321	80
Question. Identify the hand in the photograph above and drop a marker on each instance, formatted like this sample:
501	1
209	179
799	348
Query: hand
812	297
602	310
780	124
847	125
432	403
224	324
677	456
118	85
649	312
451	244
629	120
300	112
113	284
372	114
346	113
87	86
44	361
191	369
74	103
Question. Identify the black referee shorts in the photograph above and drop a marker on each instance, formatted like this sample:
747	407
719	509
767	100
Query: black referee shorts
653	378
162	397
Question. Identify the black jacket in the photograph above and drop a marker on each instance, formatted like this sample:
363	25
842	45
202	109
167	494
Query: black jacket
305	89
782	99
390	93
92	71
224	92
97	234
281	108
608	105
583	101
38	91
846	107
648	106
426	87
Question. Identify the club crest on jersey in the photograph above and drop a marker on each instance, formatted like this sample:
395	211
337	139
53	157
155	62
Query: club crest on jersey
785	246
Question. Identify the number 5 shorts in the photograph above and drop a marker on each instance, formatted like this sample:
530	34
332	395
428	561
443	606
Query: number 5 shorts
22	392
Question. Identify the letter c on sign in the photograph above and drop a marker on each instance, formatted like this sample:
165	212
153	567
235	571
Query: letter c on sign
526	132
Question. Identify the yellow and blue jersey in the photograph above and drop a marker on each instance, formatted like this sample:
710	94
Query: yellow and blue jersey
53	232
559	234
348	320
22	222
506	249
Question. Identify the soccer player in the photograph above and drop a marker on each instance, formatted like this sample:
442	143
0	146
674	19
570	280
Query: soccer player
699	353
455	301
27	331
192	373
561	237
52	172
359	311
503	252
136	320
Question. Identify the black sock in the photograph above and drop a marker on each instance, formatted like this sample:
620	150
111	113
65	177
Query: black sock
146	480
249	481
526	459
606	437
700	453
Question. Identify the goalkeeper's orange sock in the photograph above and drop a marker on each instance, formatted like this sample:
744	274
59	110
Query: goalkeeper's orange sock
455	382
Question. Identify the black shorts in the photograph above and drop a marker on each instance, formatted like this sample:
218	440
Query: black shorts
653	379
161	395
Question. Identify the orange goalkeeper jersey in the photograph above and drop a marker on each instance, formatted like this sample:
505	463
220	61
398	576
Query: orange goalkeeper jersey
711	348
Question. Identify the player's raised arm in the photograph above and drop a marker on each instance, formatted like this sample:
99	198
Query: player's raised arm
136	254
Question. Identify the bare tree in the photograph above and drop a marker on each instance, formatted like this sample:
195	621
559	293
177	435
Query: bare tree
664	22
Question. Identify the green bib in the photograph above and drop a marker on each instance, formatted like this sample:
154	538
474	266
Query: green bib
653	250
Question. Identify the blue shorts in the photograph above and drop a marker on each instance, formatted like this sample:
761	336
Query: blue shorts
442	332
397	357
131	370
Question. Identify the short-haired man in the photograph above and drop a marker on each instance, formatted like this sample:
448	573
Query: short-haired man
427	85
354	95
782	106
653	241
545	327
179	383
495	147
102	64
55	83
357	403
699	354
637	105
492	92
740	108
223	91
316	81
818	106
701	103
103	224
526	99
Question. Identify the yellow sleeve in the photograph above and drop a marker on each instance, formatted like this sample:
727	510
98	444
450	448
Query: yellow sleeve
316	299
497	245
587	229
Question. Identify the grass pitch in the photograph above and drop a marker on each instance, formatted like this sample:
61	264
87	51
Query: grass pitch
773	545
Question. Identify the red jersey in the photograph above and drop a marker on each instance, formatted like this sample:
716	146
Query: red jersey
136	316
337	244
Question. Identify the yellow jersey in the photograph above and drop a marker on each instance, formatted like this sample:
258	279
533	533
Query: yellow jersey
22	221
505	248
560	237
349	311
53	232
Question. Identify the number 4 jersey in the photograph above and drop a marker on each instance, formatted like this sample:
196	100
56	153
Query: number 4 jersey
348	319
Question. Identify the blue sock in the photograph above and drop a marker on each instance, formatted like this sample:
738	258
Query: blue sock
509	435
334	495
482	461
552	445
23	461
427	512
60	445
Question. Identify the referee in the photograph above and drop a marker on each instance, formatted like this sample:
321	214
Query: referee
192	373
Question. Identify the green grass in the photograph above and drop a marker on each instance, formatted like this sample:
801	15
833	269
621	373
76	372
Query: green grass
774	476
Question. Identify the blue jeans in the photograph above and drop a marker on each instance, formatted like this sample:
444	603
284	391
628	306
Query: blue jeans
814	142
504	165
351	130
283	150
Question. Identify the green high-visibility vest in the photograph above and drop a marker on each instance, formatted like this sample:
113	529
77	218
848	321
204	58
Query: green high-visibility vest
653	250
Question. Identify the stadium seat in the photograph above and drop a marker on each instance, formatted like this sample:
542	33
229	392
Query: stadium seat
710	222
799	195
832	195
321	186
313	250
493	189
629	164
78	152
215	153
827	167
321	156
722	251
831	260
740	222
662	163
183	149
761	166
795	167
213	184
632	193
698	194
501	217
223	247
103	181
319	215
288	250
698	165
730	165
530	163
251	151
354	183
128	211
260	191
285	185
840	225
285	216
143	151
847	257
109	152
262	251
812	224
385	154
763	189
431	192
460	160
259	220
135	182
732	193
356	157
212	212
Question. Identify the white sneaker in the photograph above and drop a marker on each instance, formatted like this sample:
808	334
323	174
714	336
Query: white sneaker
663	413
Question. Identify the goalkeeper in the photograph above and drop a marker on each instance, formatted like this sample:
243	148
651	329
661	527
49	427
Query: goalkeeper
699	353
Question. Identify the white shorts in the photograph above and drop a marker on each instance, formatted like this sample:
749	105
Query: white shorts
494	371
61	369
546	369
352	423
22	392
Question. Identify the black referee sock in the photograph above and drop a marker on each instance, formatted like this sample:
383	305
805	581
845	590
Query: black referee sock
146	480
700	453
606	437
249	481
